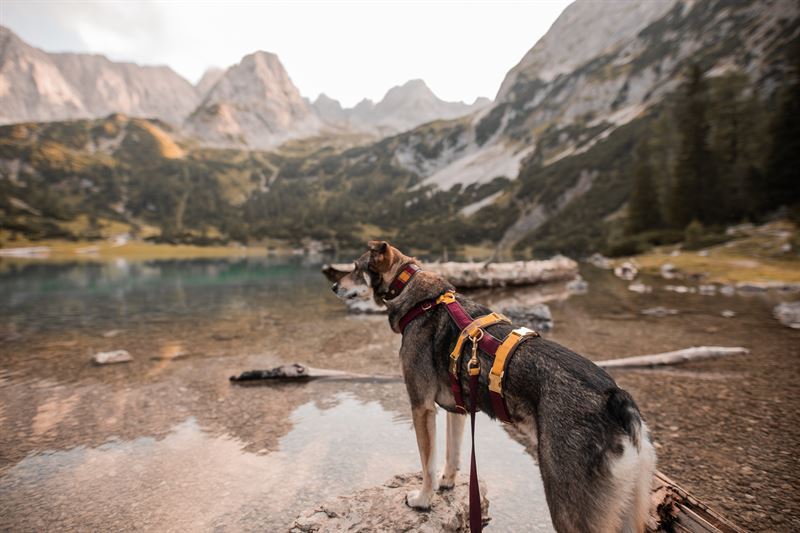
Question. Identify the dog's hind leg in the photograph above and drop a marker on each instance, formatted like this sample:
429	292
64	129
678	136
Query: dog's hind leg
455	432
639	513
424	417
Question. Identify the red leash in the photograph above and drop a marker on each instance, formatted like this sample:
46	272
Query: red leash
475	518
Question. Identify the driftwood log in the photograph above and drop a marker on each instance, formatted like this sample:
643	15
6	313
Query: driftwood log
695	353
297	373
477	275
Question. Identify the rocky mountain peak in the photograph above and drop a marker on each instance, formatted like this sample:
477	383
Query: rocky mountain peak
584	30
253	103
210	77
50	87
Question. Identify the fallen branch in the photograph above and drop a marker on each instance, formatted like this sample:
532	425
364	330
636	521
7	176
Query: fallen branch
696	353
295	373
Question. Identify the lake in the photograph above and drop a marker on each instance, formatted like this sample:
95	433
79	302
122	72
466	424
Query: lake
166	443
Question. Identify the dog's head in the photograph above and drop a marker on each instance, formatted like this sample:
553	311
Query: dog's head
374	271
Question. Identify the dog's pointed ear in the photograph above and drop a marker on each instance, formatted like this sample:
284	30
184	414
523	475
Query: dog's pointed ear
380	255
378	247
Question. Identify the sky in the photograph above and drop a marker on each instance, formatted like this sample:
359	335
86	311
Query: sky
348	50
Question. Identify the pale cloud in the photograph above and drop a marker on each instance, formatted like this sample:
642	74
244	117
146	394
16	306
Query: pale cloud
347	50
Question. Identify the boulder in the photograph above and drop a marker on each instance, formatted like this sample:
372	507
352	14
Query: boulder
627	271
384	508
536	317
788	313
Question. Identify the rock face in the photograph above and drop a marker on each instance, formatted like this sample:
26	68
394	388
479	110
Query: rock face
403	108
38	86
583	31
254	104
384	509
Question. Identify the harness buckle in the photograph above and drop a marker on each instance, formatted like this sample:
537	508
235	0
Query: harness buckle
496	382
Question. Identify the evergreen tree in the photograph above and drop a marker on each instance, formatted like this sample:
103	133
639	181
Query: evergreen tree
644	212
781	181
695	193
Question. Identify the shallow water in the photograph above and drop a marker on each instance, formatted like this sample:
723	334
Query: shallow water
166	443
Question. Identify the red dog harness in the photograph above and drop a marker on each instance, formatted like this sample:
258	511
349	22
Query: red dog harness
501	351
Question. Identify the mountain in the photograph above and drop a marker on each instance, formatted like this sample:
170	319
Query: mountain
547	167
210	77
402	108
601	67
330	110
40	86
253	104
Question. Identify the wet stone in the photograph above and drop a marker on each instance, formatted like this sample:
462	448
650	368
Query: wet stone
114	356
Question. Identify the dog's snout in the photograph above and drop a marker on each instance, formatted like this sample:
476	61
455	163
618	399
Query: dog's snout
335	287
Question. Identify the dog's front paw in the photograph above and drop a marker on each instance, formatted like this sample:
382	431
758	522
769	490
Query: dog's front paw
418	500
447	481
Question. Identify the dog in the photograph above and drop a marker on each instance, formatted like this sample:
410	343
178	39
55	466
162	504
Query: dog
595	455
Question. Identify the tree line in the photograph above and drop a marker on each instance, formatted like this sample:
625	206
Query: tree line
719	153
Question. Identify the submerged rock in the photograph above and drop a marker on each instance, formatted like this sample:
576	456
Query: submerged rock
115	356
536	317
788	313
384	509
578	285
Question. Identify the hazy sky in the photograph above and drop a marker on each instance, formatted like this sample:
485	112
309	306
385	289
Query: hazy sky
347	50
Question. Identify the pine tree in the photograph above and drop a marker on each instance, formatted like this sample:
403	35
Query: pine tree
781	181
695	193
644	212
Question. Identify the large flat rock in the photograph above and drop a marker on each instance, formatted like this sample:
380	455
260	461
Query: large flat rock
383	508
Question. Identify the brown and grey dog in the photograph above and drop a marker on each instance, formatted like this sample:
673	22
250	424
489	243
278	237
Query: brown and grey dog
595	455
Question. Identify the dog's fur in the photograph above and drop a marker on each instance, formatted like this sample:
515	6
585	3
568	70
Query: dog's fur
594	449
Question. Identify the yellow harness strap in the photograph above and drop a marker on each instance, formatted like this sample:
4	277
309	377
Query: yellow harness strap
472	331
501	357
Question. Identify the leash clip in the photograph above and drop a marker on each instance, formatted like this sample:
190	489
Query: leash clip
474	364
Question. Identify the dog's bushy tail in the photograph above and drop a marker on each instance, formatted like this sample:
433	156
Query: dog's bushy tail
622	409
